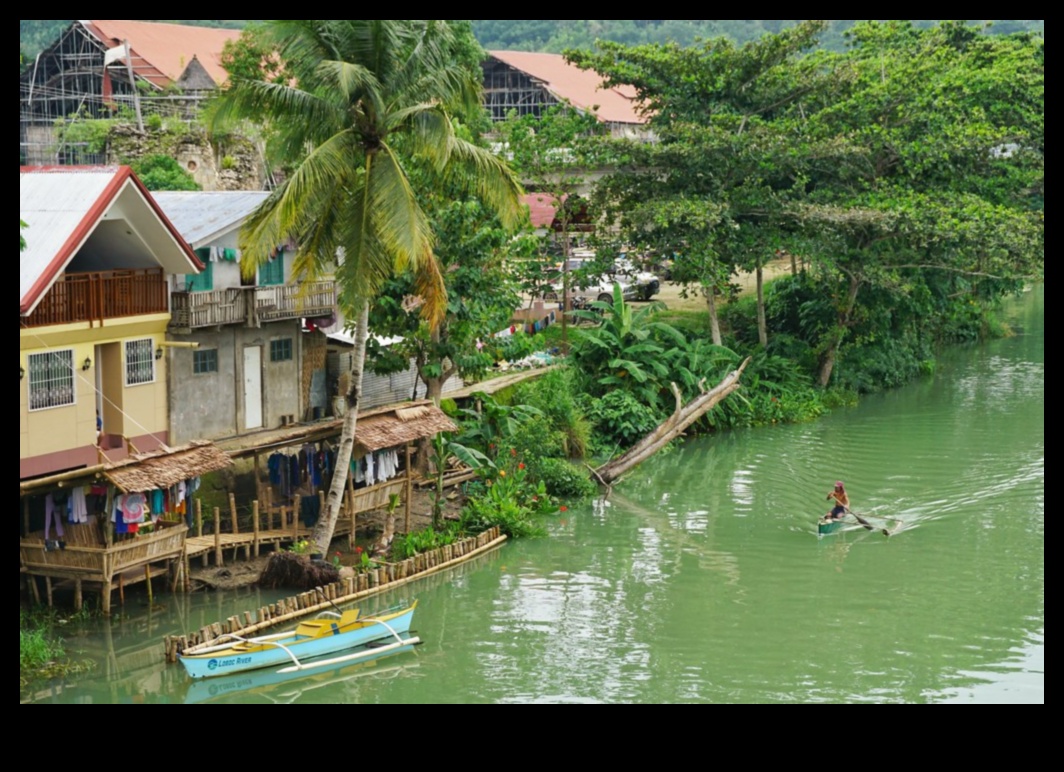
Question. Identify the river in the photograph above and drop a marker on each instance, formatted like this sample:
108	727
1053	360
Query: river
703	580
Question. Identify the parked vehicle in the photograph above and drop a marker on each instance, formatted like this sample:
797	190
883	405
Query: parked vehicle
588	283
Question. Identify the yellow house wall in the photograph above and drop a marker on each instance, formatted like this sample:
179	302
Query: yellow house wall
138	410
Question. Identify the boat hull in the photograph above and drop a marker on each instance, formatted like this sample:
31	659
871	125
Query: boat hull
828	527
280	651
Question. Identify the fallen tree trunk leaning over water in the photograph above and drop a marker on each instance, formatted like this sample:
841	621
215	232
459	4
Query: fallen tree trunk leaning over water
678	423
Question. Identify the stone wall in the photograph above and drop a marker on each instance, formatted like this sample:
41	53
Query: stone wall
231	163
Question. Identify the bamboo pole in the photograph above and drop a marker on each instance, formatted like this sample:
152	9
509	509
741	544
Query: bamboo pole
147	579
409	489
297	509
257	530
199	518
233	515
218	559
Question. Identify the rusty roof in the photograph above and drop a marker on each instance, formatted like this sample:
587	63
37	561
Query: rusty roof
162	52
581	88
163	469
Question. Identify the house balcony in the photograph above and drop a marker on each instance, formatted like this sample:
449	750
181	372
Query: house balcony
252	306
94	298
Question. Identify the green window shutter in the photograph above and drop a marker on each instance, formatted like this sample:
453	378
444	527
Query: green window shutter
271	273
201	282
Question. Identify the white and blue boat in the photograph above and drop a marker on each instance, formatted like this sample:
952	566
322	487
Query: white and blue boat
331	639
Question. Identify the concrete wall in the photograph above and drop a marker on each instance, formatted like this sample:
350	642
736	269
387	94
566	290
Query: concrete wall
212	406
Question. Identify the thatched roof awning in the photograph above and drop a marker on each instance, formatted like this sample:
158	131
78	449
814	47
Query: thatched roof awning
401	426
164	469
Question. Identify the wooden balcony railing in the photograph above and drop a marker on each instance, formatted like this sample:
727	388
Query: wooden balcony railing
252	306
96	297
294	301
195	310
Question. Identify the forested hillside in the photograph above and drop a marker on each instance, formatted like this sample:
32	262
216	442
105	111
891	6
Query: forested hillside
555	35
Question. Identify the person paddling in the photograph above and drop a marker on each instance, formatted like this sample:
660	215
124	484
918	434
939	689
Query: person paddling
842	502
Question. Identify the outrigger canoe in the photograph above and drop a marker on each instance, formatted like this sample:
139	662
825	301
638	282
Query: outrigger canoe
348	634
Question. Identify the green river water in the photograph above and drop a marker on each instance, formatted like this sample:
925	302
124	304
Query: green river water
703	579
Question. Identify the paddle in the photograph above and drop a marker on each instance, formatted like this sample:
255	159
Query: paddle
860	519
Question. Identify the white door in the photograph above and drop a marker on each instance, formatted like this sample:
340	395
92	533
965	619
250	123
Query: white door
253	388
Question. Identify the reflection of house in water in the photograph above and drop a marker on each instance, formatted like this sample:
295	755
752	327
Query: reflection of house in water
252	366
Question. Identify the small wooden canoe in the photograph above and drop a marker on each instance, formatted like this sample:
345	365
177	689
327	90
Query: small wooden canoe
828	526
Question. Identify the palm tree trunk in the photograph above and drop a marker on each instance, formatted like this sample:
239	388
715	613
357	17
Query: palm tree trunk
326	527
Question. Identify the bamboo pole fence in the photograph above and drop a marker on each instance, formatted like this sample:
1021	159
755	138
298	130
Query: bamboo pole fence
349	590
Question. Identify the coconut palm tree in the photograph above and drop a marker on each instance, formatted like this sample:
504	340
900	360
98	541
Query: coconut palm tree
363	99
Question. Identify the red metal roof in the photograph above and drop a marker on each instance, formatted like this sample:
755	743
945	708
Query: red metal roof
582	88
65	204
543	208
161	52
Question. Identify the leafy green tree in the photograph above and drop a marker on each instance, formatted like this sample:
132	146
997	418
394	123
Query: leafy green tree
933	145
712	190
361	89
554	153
162	172
21	240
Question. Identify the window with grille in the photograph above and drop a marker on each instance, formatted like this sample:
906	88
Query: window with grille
281	350
51	380
204	362
140	362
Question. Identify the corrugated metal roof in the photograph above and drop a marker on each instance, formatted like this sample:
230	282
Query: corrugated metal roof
543	208
582	88
54	207
203	217
161	52
62	207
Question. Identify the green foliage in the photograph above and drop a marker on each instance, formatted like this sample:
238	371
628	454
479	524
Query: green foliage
420	542
554	395
89	134
620	420
563	479
161	172
557	35
633	352
509	499
21	240
492	426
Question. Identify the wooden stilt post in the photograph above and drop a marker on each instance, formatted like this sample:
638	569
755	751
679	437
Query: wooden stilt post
121	590
321	504
147	579
48	589
218	559
77	595
199	518
409	489
256	528
35	591
297	509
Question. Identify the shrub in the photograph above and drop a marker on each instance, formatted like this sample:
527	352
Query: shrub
161	172
563	479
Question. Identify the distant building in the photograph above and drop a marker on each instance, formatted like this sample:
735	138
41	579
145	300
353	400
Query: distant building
253	366
87	73
93	314
530	83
